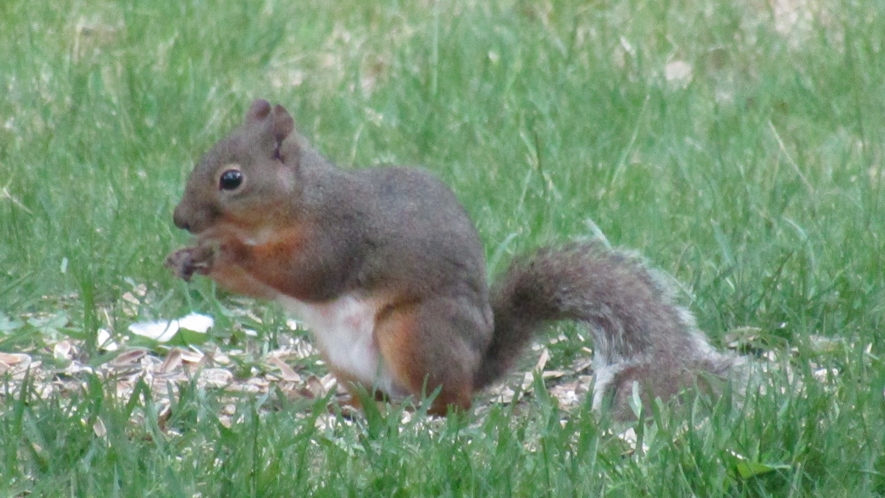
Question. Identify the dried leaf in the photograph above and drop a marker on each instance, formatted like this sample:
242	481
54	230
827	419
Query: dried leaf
14	359
172	361
196	322
286	372
314	387
165	330
128	358
160	331
191	355
105	341
98	427
62	350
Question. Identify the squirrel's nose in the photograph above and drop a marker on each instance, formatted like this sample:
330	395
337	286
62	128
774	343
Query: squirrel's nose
179	220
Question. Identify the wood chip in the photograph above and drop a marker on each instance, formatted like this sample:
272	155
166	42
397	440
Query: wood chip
216	377
9	361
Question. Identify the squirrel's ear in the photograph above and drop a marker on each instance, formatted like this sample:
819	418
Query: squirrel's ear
258	110
283	126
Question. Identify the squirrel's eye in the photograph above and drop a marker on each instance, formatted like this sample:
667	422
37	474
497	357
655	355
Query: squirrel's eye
230	179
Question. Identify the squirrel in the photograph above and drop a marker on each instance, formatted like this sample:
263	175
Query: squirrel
386	269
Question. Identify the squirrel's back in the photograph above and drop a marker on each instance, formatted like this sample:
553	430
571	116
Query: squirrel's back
423	243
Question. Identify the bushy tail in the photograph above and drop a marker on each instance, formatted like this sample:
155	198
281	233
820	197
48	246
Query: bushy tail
630	311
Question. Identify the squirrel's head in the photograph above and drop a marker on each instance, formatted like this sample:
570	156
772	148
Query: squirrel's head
246	177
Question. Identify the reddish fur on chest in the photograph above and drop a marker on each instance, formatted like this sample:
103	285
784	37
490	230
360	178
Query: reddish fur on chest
260	262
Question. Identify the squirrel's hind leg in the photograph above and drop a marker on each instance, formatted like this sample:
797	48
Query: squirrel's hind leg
430	345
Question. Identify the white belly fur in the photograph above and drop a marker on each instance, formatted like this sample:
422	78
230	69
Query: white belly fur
343	329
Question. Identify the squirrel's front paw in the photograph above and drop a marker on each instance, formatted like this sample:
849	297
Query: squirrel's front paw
185	262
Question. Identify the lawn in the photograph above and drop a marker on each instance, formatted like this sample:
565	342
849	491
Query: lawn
740	147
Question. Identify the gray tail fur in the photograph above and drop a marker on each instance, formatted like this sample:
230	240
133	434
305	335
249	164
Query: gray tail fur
640	333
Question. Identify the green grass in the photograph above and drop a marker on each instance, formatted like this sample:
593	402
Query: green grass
757	183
